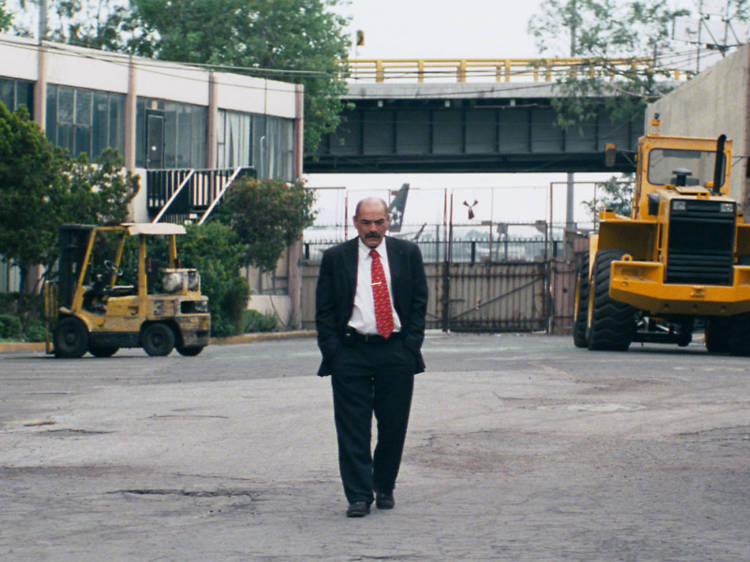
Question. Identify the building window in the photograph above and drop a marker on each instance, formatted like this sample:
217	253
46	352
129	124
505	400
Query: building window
281	153
263	142
234	145
85	120
14	93
170	134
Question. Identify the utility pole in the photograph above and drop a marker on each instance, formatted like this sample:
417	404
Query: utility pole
698	50
569	199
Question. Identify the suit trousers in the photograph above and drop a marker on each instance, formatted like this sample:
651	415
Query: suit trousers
371	378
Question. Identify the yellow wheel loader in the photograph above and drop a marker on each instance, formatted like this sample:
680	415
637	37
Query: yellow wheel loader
681	259
89	309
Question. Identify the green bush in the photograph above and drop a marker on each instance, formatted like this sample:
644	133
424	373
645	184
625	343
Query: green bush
21	304
255	321
35	331
216	252
222	327
233	302
10	327
22	317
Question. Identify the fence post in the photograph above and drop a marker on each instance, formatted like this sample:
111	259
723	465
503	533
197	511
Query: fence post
445	320
548	311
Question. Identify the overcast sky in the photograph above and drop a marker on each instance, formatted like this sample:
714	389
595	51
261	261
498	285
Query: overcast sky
430	29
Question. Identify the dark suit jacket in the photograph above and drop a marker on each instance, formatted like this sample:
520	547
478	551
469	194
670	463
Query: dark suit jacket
337	284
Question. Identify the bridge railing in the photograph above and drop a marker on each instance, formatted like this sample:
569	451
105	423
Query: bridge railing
500	70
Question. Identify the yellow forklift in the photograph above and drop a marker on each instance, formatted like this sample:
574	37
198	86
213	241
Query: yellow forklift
87	310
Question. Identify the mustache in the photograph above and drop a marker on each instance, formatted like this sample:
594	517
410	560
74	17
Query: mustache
375	235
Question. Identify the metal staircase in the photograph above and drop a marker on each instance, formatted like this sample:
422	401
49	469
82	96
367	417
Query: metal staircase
187	196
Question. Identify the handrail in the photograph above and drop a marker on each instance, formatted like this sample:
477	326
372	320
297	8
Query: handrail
173	197
219	196
500	70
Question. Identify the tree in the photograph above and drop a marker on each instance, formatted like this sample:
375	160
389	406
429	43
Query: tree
598	30
104	24
98	24
96	192
268	216
615	194
5	17
28	167
42	188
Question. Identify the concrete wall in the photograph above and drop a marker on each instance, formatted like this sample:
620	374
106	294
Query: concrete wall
714	102
18	59
278	305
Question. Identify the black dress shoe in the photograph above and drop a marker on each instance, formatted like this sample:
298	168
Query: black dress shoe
384	500
358	509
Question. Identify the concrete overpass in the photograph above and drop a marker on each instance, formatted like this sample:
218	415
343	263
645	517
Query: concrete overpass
412	119
466	128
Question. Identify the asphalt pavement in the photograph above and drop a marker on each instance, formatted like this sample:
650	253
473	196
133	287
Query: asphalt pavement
520	447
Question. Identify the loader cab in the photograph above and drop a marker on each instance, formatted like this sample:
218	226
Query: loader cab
682	167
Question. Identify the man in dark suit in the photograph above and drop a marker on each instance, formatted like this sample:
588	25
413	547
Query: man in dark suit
371	301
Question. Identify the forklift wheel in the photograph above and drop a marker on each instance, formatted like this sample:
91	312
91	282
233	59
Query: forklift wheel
71	338
157	339
190	350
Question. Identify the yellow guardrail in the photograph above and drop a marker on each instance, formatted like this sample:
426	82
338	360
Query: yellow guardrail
500	70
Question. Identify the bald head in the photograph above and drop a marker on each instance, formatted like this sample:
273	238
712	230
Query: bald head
371	220
370	202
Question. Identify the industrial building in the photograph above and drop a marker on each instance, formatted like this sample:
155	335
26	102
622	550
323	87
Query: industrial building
169	121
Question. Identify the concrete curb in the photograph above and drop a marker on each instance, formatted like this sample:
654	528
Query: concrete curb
10	347
259	336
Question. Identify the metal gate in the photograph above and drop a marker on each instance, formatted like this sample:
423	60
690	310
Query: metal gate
562	283
484	297
488	297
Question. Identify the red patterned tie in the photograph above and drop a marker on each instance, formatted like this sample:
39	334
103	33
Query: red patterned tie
383	311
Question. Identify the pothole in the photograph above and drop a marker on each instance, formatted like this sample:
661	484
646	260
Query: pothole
222	493
70	433
184	417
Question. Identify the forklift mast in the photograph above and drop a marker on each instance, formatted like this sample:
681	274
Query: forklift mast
74	240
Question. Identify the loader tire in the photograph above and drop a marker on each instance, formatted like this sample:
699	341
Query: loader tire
716	334
612	324
739	335
581	309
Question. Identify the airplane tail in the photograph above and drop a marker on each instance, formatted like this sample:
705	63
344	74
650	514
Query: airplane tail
396	208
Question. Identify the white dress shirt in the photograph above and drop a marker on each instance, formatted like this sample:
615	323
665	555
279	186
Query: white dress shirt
363	313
